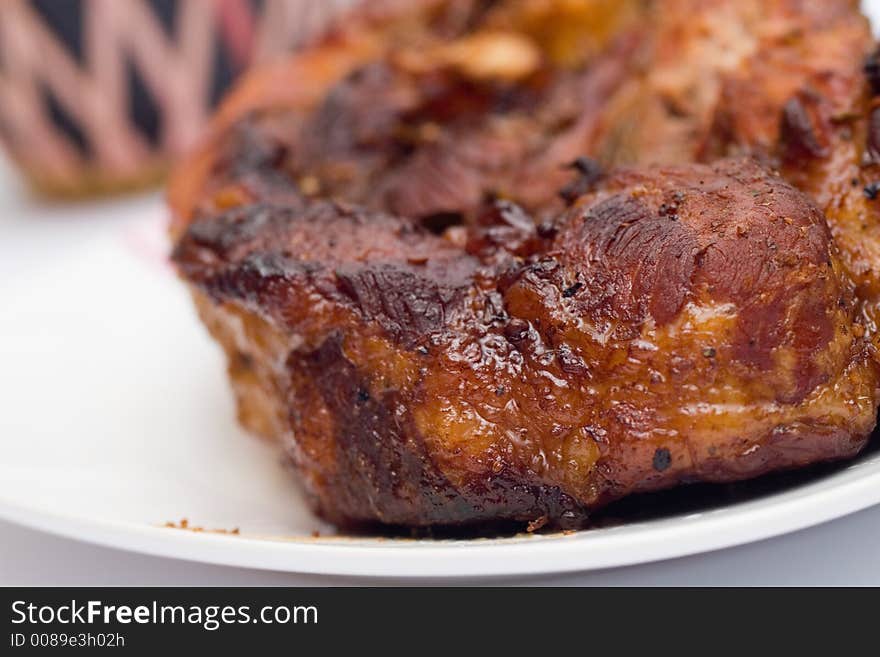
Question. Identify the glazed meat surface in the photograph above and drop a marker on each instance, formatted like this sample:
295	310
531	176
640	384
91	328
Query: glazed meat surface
467	266
632	347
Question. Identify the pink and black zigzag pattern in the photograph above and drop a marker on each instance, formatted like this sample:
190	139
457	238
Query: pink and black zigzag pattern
109	89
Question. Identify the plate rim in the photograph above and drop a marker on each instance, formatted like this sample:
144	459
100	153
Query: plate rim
634	543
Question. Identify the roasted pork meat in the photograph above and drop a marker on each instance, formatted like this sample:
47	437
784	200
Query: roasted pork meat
488	262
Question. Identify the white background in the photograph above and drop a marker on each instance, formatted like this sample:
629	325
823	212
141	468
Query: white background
844	551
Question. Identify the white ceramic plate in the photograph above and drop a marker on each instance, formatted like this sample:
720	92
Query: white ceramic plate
116	418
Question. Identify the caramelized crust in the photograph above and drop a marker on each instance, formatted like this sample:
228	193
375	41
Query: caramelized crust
647	339
444	325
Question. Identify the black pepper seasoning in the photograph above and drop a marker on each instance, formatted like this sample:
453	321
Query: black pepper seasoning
571	291
872	71
872	144
662	459
589	173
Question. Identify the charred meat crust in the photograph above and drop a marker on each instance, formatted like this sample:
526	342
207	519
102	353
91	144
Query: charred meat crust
445	322
384	472
426	385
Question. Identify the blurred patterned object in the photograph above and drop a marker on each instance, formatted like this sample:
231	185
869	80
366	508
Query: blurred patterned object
98	95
